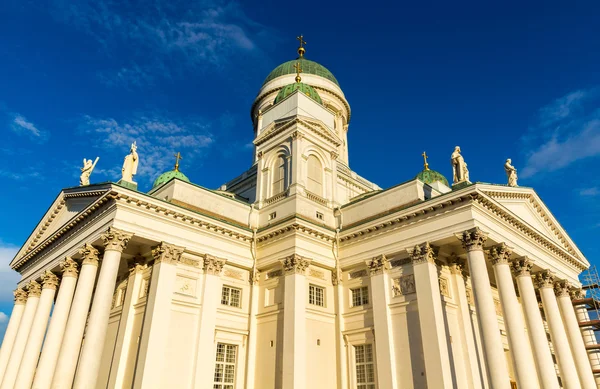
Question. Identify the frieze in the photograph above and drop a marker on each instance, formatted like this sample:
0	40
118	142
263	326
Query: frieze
400	262
316	273
274	274
231	273
403	285
358	274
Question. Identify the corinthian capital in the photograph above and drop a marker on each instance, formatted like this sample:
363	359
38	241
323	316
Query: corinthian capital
115	239
69	267
562	288
49	280
213	265
423	253
378	265
20	296
34	289
457	265
167	253
89	254
577	294
545	279
473	239
295	264
500	254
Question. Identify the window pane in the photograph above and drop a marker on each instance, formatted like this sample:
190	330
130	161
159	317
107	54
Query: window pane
225	295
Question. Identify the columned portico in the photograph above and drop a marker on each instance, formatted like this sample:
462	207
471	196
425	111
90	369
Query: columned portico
38	330
34	290
537	332
58	322
524	366
115	242
12	329
294	322
71	345
582	362
384	338
566	364
158	311
473	241
431	320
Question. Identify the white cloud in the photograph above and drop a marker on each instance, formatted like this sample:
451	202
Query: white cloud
590	192
20	124
568	131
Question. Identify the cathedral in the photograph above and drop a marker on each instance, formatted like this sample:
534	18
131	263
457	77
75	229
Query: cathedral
299	273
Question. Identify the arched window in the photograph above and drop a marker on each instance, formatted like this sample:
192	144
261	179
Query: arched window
279	170
315	176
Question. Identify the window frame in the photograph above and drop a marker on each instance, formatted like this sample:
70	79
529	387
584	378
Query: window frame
313	295
363	296
224	363
368	384
228	300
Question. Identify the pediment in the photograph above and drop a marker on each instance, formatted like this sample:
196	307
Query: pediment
525	204
64	208
315	126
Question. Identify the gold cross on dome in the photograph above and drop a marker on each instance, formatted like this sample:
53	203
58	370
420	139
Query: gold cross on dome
425	158
301	49
298	67
177	158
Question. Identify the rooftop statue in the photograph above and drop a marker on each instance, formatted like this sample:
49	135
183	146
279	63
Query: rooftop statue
130	164
459	167
86	171
511	173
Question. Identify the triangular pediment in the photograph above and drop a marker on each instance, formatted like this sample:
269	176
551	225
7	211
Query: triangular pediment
525	204
68	204
317	127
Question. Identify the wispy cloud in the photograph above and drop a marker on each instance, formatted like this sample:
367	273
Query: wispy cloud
163	36
591	192
158	138
22	126
568	130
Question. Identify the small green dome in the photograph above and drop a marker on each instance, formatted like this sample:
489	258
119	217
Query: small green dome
165	177
302	87
308	67
429	176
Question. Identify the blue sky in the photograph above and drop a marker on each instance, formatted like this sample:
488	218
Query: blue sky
83	79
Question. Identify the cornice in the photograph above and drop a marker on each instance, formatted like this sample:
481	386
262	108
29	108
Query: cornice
293	227
277	128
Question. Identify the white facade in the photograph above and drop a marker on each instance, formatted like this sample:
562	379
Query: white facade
297	274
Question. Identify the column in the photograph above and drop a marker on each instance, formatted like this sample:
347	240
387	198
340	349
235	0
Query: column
493	350
34	290
12	328
474	373
384	338
431	317
566	364
157	318
38	330
71	344
58	322
122	346
524	366
582	362
251	352
115	242
537	332
211	298
294	322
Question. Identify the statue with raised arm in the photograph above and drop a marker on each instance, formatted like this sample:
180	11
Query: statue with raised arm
511	173
86	171
130	164
459	167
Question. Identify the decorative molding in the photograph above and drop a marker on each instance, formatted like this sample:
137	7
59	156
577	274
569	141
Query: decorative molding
336	277
69	267
522	267
294	228
500	254
400	262
544	279
404	285
358	274
473	239
295	264
167	253
423	253
456	265
20	296
231	273
89	255
469	295
115	239
274	274
444	287
378	265
562	288
213	265
49	280
185	286
34	289
254	277
316	127
316	273
137	264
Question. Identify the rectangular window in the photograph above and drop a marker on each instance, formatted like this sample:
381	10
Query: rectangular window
231	296
316	295
365	368
225	366
360	296
320	216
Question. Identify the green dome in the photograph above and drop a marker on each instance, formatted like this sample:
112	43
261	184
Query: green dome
303	88
168	175
430	176
308	67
